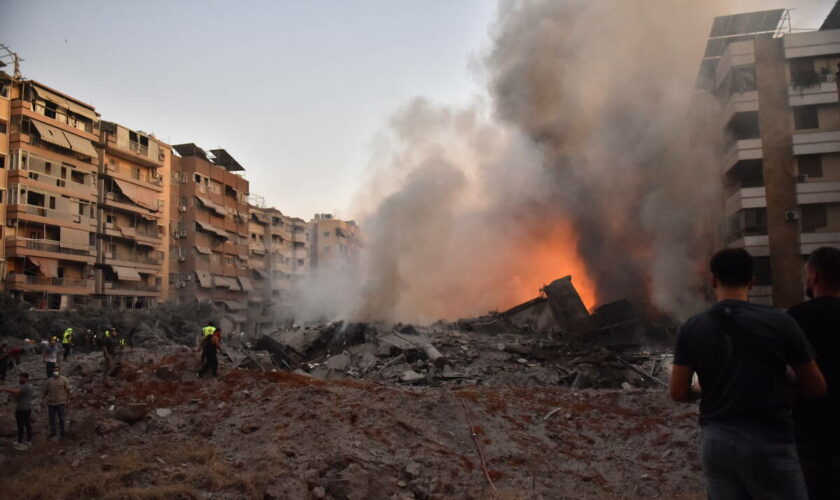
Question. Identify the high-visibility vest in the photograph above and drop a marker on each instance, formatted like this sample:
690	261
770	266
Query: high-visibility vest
107	333
122	341
208	330
68	336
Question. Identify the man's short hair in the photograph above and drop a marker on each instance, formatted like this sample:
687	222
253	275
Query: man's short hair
826	262
25	375
733	267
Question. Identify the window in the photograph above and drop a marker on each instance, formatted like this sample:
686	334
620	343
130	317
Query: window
2	161
326	234
197	179
77	177
4	88
802	73
135	173
805	117
742	79
810	165
813	217
745	126
49	109
3	129
109	219
52	202
2	192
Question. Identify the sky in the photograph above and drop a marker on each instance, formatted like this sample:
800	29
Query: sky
296	91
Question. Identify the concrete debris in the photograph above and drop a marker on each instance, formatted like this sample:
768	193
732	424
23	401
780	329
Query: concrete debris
412	377
163	412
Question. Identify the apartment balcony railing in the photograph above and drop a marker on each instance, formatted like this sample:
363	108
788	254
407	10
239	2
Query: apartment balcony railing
132	287
137	258
59	116
53	214
53	246
85	189
138	148
20	279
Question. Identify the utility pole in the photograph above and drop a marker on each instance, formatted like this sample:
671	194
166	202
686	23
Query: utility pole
8	54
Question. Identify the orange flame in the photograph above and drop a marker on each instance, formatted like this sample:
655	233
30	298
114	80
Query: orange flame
550	257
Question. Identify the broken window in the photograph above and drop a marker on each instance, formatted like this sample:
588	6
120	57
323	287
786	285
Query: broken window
814	217
742	79
50	109
745	126
805	117
802	73
810	166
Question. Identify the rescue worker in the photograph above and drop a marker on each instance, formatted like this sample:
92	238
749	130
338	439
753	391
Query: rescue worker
208	330
210	347
67	342
89	340
108	346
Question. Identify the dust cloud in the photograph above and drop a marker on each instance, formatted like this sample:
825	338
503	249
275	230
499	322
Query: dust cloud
581	161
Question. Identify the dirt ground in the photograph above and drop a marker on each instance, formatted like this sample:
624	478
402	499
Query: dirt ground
158	432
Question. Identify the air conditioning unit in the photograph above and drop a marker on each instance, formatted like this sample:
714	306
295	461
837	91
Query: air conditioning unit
791	215
182	258
182	208
176	235
183	234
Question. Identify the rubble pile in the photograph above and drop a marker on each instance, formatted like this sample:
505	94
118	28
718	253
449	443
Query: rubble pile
550	340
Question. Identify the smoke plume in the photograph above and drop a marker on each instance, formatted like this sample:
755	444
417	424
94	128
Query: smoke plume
580	162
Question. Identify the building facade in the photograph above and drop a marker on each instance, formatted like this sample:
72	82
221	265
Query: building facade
132	218
775	100
209	247
335	242
50	196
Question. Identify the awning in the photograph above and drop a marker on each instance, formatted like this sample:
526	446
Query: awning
128	232
50	96
262	219
235	305
258	250
204	279
80	145
212	205
203	250
126	273
82	110
221	282
234	285
246	284
74	238
260	274
48	267
212	230
143	197
51	134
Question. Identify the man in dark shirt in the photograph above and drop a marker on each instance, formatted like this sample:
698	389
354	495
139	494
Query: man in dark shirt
210	346
741	352
108	348
23	412
816	420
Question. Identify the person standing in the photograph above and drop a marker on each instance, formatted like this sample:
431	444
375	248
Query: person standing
815	420
741	353
23	412
67	342
108	349
210	347
51	356
57	397
5	361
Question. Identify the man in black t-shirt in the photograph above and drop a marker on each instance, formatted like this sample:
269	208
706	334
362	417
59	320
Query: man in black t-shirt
816	420
740	353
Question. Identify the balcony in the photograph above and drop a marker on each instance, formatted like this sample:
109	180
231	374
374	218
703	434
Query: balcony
46	215
739	102
823	91
817	192
745	149
21	247
130	288
757	245
812	241
816	142
50	182
132	260
15	281
144	180
746	198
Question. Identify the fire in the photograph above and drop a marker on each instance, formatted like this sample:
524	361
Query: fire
553	256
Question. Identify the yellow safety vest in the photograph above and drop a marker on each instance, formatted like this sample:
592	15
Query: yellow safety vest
68	336
208	330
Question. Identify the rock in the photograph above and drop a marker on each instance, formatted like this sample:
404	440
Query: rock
109	425
249	428
338	362
412	377
413	469
319	492
131	414
163	412
626	386
408	329
402	484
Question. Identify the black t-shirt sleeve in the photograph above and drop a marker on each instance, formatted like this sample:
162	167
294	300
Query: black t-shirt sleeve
799	350
682	349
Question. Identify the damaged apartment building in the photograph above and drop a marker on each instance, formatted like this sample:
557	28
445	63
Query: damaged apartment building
335	242
209	230
773	99
279	249
82	202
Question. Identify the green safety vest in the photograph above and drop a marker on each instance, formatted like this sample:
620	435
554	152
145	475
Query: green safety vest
208	330
68	336
122	341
